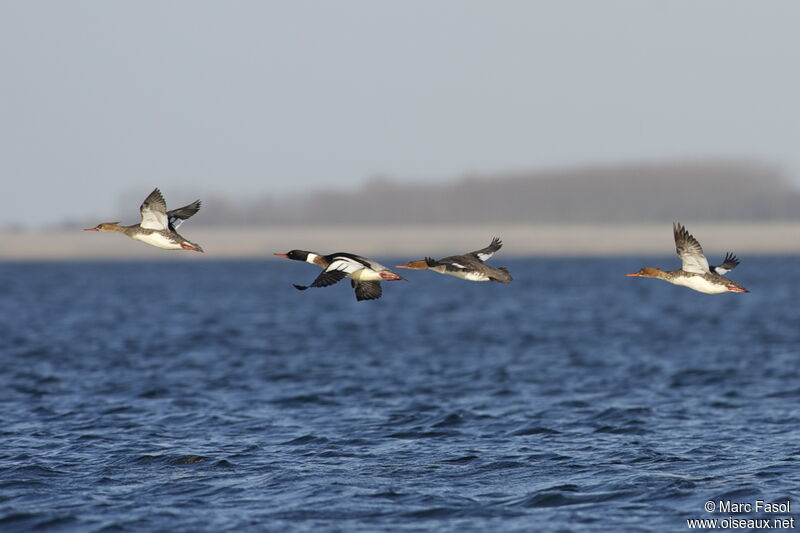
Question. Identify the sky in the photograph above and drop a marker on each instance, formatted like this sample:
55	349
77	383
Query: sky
106	100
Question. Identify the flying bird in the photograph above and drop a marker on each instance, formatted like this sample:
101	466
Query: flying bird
695	273
470	266
365	274
158	226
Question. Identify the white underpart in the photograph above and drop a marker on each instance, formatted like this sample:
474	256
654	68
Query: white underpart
365	274
158	240
469	275
476	276
700	284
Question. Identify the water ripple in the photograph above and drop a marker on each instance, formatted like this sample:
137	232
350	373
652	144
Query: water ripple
571	400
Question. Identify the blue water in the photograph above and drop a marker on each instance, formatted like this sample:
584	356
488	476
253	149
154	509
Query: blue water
213	396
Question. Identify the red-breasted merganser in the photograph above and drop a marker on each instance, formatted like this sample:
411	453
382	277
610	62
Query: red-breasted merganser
695	272
365	274
158	226
469	266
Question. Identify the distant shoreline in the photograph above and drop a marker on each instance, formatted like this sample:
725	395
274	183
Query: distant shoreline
520	240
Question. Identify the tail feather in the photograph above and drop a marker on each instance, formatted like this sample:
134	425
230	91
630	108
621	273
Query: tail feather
505	278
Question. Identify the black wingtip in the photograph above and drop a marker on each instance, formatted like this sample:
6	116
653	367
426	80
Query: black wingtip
680	232
300	287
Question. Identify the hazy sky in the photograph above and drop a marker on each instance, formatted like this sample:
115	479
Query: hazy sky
100	99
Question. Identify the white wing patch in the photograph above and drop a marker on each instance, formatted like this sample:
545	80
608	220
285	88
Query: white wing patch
696	263
175	222
484	256
345	265
689	250
462	267
153	220
154	212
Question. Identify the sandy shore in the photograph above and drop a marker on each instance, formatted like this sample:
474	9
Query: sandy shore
408	241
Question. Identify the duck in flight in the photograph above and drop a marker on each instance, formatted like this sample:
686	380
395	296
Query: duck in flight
695	273
158	226
470	266
365	274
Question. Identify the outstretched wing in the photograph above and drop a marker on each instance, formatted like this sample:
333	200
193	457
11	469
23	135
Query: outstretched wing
729	263
177	216
367	290
325	279
154	212
689	250
329	277
485	253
